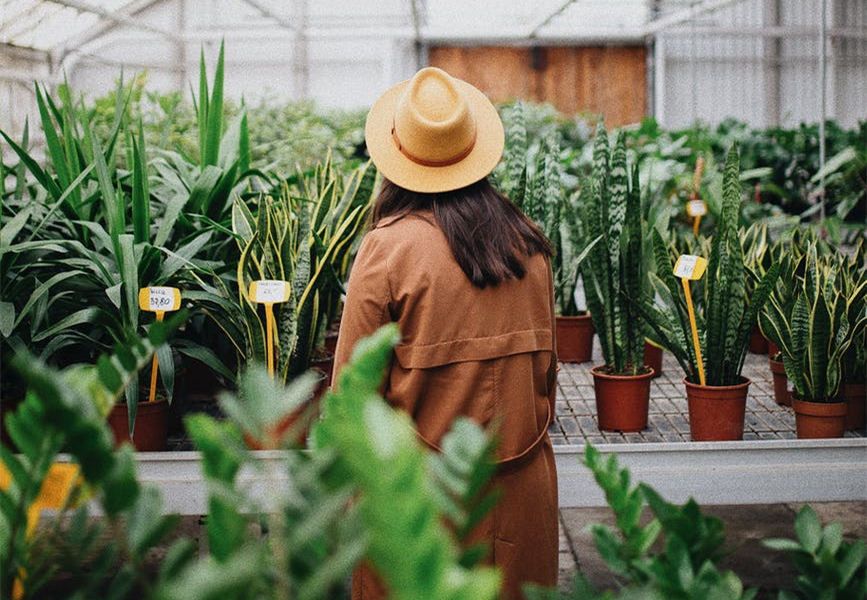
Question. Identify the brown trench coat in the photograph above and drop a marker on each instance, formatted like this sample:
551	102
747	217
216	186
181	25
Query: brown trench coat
482	353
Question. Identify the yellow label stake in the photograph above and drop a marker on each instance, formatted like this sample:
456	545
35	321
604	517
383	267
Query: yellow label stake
691	268
159	300
269	292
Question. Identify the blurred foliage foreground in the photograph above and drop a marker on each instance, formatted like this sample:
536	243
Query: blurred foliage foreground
366	490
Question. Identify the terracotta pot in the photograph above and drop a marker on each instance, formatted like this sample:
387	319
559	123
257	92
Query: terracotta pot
151	425
781	383
819	419
296	423
621	401
716	412
758	343
575	339
856	401
653	358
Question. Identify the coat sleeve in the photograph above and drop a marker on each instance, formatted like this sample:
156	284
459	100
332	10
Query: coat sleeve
368	299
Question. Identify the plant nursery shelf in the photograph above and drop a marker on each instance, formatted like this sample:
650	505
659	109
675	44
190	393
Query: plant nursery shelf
753	472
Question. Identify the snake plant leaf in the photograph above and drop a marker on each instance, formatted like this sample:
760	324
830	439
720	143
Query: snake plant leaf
800	320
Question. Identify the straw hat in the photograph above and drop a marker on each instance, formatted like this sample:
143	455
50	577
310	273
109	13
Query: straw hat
434	133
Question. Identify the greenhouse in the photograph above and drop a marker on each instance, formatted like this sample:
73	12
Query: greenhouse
428	299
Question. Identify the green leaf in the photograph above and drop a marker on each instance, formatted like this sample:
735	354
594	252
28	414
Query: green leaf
808	529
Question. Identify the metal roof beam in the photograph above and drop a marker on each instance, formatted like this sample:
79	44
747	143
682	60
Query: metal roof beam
687	14
267	12
117	17
534	29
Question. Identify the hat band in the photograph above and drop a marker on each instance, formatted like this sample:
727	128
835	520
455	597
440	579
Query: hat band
431	163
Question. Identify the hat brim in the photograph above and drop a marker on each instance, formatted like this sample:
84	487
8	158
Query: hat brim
401	170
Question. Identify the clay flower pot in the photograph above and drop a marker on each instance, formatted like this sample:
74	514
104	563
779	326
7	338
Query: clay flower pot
781	383
653	358
716	413
815	420
758	343
151	430
622	401
575	338
856	401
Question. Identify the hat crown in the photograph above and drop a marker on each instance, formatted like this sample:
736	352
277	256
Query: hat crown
433	122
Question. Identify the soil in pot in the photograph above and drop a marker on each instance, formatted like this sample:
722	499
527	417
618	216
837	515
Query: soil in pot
622	401
653	358
151	425
856	405
575	338
716	413
815	420
782	394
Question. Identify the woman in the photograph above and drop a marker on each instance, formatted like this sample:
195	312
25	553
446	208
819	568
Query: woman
467	278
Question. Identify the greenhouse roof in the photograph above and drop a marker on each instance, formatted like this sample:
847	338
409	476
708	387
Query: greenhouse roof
47	25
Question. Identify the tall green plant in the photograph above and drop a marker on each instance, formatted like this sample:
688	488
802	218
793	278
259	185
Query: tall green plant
532	176
727	316
612	272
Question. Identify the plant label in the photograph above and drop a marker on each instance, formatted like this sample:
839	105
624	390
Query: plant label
159	299
690	267
696	208
269	291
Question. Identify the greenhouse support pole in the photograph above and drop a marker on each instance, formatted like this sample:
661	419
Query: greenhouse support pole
824	109
180	48
659	79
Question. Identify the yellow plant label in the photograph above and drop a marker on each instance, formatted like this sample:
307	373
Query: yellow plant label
690	267
159	299
269	291
696	208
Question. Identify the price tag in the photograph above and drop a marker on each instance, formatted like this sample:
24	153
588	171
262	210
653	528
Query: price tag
159	299
696	208
690	267
269	291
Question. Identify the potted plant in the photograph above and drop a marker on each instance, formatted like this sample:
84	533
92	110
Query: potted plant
724	315
612	272
855	357
813	336
533	179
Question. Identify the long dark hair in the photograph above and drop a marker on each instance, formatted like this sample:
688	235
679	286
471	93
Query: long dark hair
488	235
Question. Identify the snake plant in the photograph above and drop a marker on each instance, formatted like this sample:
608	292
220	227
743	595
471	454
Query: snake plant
612	271
535	185
726	316
813	330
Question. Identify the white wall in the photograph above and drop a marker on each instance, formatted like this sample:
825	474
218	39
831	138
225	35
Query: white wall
745	61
